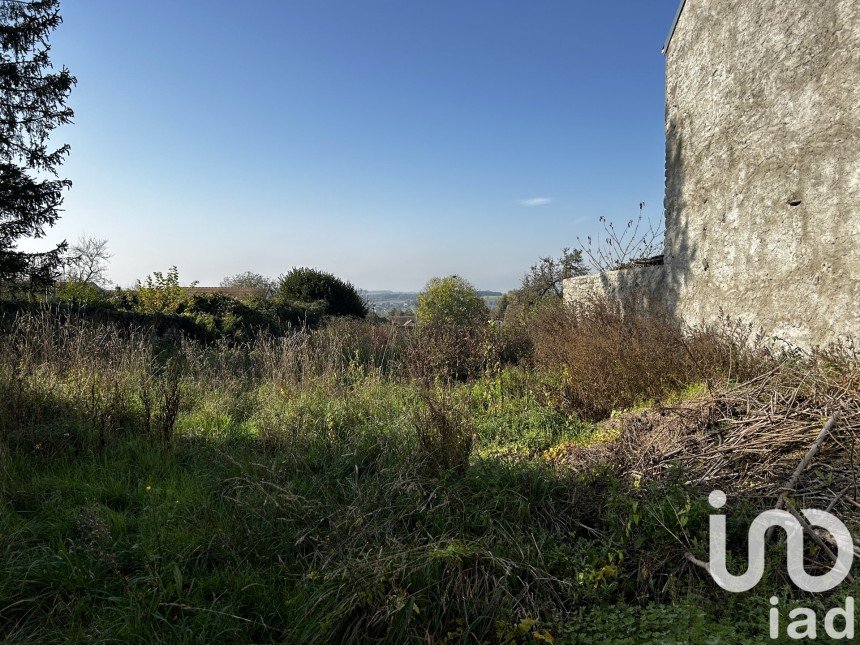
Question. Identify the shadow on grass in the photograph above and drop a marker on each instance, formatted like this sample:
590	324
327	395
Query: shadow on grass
338	533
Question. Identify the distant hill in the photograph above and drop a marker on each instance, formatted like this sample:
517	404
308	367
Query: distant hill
384	301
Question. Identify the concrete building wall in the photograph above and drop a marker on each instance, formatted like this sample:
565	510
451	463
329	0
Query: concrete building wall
763	166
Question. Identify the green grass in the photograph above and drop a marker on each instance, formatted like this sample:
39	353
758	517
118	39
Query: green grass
314	510
329	529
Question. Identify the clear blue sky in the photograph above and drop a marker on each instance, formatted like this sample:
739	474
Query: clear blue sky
385	141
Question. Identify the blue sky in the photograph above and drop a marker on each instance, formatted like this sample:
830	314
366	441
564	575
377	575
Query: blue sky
385	141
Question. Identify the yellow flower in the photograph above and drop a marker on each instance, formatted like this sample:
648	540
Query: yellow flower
148	488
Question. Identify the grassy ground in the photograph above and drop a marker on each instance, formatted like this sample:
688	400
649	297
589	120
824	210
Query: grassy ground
342	504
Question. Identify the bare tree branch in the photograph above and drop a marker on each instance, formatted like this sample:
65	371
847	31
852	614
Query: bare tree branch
640	239
87	261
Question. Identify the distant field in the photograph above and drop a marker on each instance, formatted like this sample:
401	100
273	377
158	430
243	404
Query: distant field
384	301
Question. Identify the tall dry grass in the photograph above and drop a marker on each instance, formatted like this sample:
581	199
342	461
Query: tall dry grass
67	380
614	355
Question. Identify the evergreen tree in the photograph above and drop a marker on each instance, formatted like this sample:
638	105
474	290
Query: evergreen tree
32	103
310	287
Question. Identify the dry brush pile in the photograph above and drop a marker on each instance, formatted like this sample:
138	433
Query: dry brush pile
789	433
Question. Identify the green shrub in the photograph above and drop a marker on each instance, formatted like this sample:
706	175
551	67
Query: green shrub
161	293
125	300
318	291
82	294
451	301
222	315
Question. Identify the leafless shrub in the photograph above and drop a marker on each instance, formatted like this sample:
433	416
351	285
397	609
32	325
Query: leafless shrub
161	397
87	261
614	354
441	354
171	397
618	248
331	354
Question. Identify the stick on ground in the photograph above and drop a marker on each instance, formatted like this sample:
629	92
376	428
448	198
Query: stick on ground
804	464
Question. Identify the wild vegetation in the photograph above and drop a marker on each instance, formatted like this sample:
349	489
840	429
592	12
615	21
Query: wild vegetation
356	481
183	466
300	298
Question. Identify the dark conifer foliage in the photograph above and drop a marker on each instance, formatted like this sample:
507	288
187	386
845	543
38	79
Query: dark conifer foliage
33	98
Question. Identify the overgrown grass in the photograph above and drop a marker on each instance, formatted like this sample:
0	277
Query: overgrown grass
305	489
611	354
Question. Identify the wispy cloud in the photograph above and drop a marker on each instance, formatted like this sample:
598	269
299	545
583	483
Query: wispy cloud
536	201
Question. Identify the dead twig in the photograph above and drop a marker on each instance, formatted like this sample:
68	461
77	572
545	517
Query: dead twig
699	563
808	457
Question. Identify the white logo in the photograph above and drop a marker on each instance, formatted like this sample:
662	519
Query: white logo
794	540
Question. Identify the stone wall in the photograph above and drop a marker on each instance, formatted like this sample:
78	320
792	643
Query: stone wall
763	166
647	284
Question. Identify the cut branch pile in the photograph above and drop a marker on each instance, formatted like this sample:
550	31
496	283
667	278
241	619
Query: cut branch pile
789	434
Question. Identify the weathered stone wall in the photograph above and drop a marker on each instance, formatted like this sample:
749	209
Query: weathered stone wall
647	284
763	166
